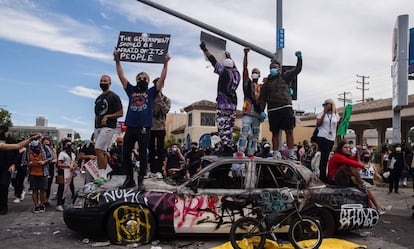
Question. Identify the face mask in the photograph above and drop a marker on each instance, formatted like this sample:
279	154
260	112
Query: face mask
398	149
34	143
174	149
273	72
104	87
194	148
141	86
255	76
366	159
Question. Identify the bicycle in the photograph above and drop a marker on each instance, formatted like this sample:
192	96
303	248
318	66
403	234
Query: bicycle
304	231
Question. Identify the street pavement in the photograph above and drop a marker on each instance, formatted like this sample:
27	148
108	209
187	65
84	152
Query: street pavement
20	228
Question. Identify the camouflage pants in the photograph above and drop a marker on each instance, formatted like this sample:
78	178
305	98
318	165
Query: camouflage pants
225	124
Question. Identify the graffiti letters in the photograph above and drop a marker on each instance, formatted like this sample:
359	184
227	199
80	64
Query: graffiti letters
126	195
353	216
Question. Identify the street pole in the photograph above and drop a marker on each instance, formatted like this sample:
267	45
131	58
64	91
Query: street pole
279	49
210	28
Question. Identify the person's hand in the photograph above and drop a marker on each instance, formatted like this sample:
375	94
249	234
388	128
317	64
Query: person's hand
263	116
227	54
246	50
36	136
203	46
298	54
115	54
167	57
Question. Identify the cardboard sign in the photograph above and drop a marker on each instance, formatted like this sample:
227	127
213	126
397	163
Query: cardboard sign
92	167
142	47
215	45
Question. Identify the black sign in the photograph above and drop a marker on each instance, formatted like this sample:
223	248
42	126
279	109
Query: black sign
142	47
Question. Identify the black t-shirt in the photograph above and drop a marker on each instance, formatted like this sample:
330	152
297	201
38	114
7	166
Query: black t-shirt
173	161
88	149
105	104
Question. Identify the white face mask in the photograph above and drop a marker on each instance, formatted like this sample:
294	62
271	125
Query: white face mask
255	76
398	149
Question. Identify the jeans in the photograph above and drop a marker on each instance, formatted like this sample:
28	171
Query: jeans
249	131
156	150
142	136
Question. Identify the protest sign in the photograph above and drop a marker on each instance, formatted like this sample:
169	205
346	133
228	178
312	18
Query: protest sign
142	47
215	45
92	167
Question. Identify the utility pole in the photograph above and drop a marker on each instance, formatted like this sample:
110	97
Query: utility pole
342	97
363	83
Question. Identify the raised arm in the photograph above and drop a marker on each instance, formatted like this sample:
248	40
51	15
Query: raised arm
119	69
245	69
207	53
20	144
160	83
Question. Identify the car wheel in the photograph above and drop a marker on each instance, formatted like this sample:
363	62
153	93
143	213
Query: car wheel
325	218
128	224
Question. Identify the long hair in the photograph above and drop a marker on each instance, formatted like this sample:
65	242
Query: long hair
330	101
340	145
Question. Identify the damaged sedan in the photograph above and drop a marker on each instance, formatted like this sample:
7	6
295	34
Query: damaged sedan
210	201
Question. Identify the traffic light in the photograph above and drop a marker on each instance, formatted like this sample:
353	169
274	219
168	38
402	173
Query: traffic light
293	85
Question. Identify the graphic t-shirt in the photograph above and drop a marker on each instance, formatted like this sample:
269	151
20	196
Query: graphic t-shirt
140	107
105	104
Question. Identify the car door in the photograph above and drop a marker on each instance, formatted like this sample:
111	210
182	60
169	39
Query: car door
199	204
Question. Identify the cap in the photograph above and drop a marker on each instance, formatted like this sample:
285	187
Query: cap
228	62
266	145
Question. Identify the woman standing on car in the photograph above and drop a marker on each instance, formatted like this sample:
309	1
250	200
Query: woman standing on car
344	171
327	122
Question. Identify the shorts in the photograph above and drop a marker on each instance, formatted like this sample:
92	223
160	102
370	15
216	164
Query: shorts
103	137
38	182
282	119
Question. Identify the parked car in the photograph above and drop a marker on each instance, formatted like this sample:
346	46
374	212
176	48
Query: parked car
212	199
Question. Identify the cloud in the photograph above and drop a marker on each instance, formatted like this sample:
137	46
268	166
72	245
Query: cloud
49	31
85	92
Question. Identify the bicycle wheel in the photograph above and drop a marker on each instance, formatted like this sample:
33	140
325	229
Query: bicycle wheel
305	233
245	230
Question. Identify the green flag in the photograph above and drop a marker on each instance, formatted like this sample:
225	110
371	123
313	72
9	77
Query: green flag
343	126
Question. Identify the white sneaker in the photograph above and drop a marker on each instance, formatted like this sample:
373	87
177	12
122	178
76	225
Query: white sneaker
22	195
405	183
59	208
16	200
159	175
277	155
384	209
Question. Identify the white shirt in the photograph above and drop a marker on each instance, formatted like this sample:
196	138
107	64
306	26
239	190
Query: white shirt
328	127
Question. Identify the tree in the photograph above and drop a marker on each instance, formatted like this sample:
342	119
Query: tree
5	117
77	136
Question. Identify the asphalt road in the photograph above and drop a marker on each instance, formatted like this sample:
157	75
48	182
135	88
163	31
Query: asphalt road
20	228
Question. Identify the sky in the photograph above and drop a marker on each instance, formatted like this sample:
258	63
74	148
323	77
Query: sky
54	52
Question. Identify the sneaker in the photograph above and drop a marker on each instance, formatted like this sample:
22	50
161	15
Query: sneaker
22	195
239	155
277	155
251	156
42	209
30	192
36	210
159	175
59	208
384	209
16	200
404	183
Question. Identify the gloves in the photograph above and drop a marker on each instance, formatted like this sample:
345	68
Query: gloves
203	47
263	116
298	54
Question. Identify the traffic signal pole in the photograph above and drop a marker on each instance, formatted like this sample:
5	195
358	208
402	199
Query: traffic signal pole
210	28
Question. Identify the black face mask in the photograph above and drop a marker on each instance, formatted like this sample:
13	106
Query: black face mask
104	87
141	86
366	159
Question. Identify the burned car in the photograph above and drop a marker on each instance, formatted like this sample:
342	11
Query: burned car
210	201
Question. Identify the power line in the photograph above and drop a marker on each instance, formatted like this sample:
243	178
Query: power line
363	83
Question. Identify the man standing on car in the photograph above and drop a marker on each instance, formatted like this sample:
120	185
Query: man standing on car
108	108
275	93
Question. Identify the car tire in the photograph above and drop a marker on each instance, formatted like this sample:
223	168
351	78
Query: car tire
325	218
129	224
